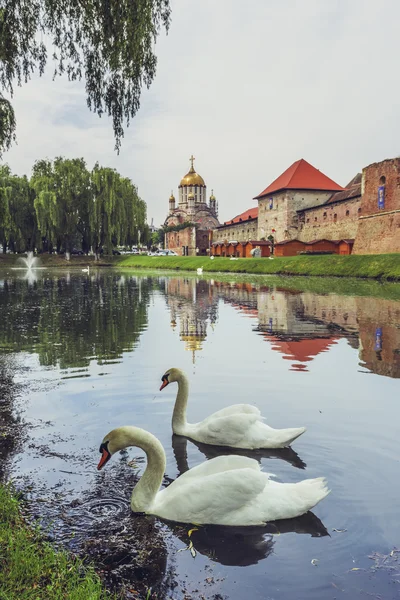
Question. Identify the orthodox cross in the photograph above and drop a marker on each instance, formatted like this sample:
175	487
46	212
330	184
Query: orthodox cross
192	158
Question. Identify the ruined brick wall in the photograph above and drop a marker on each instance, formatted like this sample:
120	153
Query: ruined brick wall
379	225
334	221
279	211
240	232
176	240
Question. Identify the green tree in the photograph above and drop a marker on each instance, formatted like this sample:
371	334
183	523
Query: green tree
17	215
109	43
63	191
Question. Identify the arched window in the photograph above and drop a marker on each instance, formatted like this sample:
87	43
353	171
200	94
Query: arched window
335	217
315	219
324	216
382	180
347	213
359	210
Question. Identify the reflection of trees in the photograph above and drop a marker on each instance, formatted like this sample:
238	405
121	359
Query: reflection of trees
10	425
69	320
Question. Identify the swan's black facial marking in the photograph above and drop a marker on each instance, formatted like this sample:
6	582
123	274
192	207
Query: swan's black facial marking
105	455
165	381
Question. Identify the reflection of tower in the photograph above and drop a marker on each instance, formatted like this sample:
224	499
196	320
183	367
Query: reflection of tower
193	303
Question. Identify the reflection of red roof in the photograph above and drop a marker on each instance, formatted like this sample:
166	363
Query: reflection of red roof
301	176
252	213
302	350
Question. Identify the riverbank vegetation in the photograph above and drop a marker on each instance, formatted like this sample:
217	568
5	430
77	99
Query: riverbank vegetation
30	568
66	207
383	266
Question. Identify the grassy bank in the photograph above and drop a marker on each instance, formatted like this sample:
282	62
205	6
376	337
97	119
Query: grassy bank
30	569
382	266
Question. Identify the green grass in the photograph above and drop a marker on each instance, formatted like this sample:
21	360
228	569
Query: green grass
30	569
381	266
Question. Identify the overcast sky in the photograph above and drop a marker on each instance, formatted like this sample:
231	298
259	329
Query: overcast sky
248	88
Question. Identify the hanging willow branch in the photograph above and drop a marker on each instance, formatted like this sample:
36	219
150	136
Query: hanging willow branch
7	125
108	42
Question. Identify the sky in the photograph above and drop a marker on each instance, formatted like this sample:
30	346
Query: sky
247	88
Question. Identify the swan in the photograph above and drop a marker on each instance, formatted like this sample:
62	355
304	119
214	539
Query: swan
212	257
85	270
226	490
238	426
200	271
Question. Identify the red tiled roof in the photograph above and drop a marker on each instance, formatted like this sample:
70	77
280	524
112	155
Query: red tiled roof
252	213
284	242
321	240
301	176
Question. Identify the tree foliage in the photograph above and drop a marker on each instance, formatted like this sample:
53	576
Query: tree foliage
108	42
65	207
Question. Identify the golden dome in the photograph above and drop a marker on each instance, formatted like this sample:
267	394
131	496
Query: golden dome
192	178
190	195
172	197
212	197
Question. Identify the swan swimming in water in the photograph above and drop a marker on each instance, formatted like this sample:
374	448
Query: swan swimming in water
85	270
226	490
200	271
238	425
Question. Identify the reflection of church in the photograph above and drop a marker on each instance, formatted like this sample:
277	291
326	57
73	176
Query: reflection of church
193	304
189	224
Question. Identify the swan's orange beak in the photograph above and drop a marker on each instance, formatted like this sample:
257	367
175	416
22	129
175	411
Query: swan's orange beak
105	457
164	384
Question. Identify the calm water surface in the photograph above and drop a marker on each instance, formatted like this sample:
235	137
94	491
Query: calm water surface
93	349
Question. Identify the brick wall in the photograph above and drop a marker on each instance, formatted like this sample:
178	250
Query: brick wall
330	221
283	216
175	240
379	228
241	232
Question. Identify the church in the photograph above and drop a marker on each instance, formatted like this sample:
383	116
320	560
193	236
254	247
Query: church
188	226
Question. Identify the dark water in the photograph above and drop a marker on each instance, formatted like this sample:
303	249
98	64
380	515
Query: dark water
91	351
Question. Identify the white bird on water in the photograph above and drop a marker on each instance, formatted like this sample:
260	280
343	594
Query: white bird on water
85	270
212	257
200	271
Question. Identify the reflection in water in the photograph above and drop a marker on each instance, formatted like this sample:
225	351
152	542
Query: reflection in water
69	320
298	324
244	546
179	446
194	303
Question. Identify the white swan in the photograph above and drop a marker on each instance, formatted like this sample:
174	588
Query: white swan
85	270
212	257
227	490
200	271
238	426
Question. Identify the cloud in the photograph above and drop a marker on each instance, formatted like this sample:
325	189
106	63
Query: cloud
248	88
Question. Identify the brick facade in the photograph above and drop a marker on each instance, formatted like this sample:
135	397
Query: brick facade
239	232
379	223
332	221
279	211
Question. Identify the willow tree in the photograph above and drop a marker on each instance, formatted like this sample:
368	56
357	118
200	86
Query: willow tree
63	191
108	43
104	214
17	215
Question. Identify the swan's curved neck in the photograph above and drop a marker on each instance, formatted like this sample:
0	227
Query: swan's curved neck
179	415
150	482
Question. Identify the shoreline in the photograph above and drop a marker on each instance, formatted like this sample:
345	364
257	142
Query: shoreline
381	267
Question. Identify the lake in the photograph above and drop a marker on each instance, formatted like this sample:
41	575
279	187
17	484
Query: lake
89	352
